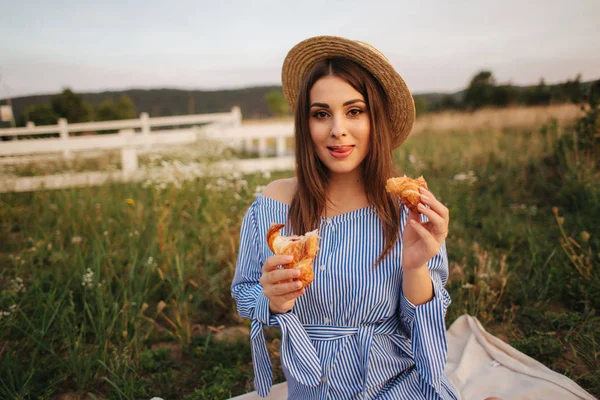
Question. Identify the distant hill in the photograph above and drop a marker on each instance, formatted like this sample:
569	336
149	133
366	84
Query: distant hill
166	102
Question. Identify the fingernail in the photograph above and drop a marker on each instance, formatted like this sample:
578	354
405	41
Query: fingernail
289	258
296	273
422	189
420	206
424	198
298	285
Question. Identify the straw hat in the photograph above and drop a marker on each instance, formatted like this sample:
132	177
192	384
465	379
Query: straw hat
303	55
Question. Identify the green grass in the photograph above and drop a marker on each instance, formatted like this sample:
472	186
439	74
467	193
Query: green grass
118	291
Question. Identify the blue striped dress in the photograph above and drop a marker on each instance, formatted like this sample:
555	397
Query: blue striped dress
352	335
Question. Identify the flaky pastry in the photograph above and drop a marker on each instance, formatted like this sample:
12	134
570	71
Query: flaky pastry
303	248
408	189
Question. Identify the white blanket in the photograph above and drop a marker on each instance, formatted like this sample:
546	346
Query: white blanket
480	365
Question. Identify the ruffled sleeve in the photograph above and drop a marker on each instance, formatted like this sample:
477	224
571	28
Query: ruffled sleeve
427	326
297	352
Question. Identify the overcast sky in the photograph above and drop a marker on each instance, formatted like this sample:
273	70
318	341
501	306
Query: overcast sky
219	44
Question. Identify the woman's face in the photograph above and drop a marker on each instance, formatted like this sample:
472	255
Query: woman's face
339	124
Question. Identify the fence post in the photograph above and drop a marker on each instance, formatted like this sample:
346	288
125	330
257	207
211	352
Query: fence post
248	144
262	147
129	160
145	122
236	116
281	142
64	136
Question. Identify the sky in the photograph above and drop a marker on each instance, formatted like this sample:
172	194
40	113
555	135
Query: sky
437	46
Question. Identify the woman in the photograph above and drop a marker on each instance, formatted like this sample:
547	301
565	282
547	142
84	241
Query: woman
371	325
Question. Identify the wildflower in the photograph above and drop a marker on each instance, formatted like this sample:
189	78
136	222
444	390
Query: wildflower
412	159
468	286
130	201
235	175
17	285
266	174
259	189
237	196
88	279
469	177
105	233
585	236
76	239
150	261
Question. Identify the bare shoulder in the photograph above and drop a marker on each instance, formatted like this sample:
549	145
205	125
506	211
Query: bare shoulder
281	190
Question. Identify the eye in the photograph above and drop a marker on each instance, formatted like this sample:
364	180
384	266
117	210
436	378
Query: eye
320	114
355	112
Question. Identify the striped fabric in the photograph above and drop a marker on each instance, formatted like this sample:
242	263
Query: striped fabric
352	335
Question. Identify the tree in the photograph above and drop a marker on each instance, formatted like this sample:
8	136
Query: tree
480	90
421	105
109	109
503	95
538	95
41	114
277	103
71	106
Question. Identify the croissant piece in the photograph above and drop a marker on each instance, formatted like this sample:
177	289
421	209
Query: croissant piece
303	248
408	189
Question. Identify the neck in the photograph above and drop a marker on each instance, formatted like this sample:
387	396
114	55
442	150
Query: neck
345	192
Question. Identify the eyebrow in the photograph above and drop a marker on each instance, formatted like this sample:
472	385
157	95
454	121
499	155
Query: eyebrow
325	105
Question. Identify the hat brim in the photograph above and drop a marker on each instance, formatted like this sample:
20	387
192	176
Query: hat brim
303	56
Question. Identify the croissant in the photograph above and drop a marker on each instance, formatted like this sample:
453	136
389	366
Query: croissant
408	189
302	248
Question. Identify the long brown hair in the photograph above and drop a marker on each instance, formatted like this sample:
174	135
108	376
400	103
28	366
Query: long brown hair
310	198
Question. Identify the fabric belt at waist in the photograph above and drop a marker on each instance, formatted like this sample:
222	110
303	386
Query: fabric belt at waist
299	355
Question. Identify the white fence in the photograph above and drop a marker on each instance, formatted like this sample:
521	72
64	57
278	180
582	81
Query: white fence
137	135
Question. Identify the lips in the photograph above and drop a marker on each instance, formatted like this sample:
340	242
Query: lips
340	151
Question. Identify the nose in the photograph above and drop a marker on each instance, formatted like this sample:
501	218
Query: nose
338	129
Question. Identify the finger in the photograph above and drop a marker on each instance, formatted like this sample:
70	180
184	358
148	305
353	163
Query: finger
424	234
437	220
292	295
280	275
428	199
281	289
426	192
275	261
412	215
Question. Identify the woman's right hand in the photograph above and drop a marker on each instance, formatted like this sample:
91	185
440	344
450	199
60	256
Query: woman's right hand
279	285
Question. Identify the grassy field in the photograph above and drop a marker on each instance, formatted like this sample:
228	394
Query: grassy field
122	291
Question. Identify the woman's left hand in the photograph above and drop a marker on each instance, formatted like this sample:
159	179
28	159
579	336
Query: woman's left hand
422	241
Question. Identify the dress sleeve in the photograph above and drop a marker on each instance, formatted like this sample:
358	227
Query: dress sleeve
246	289
298	354
427	325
